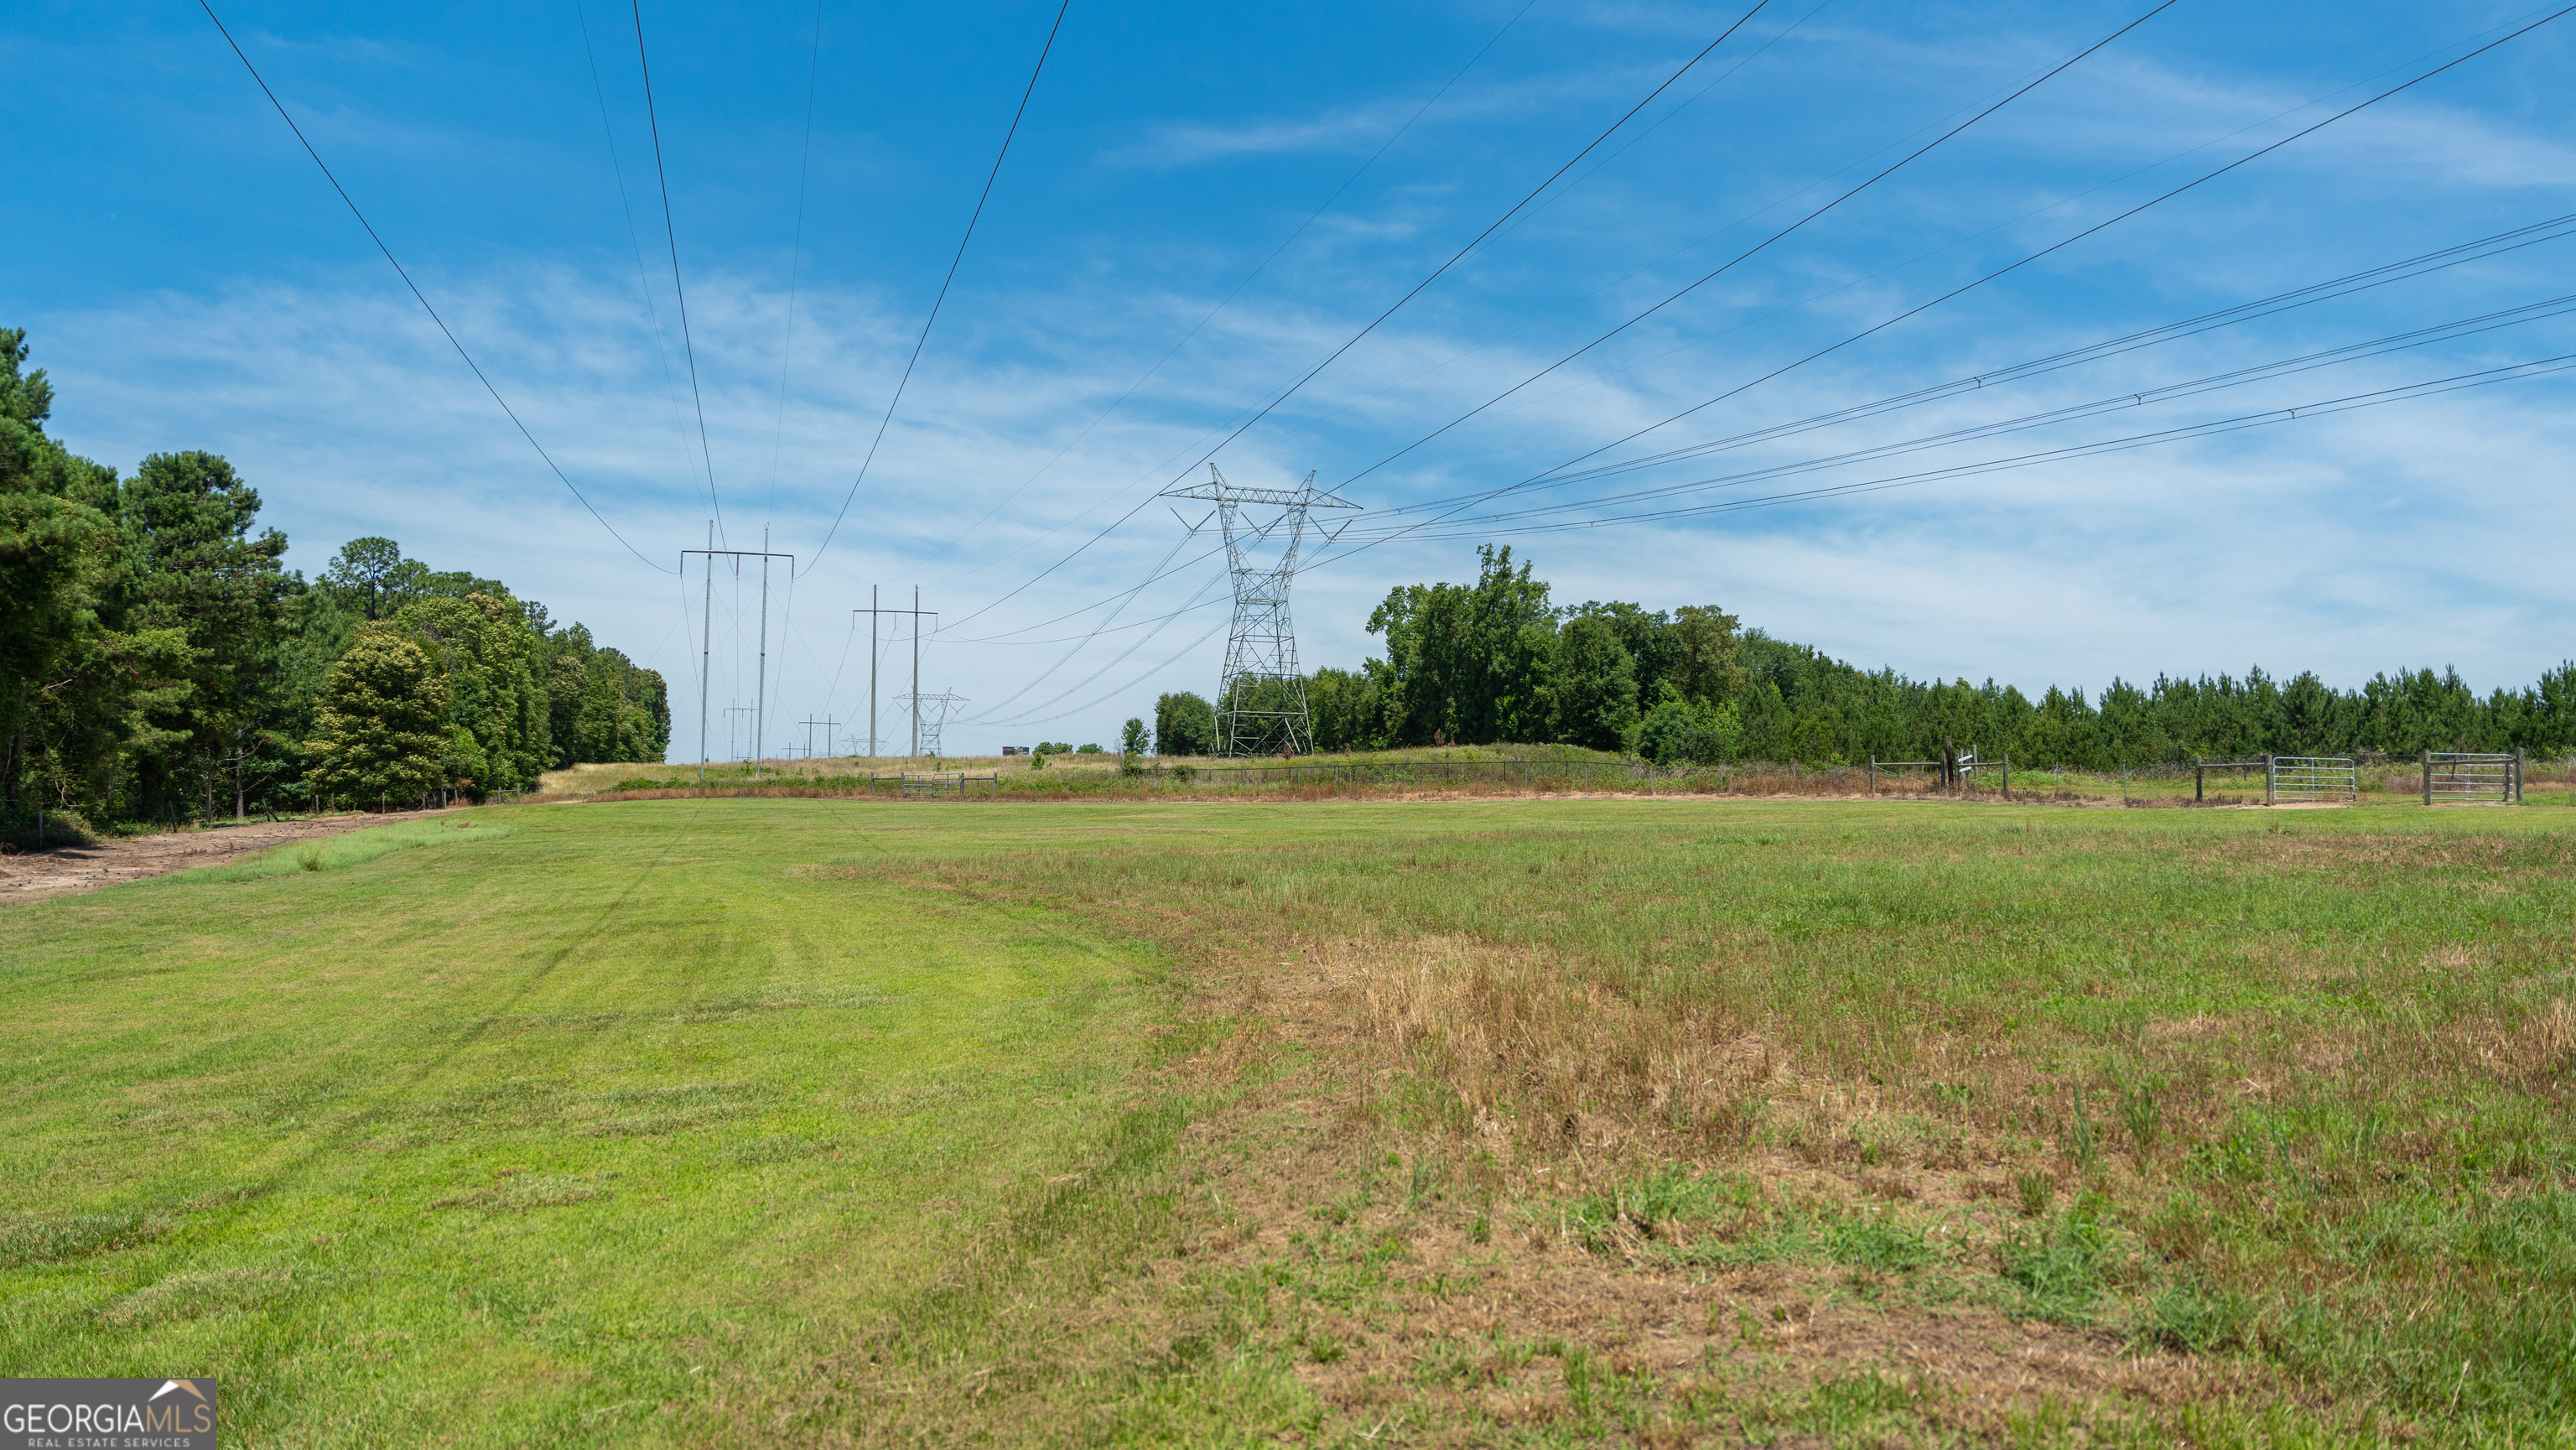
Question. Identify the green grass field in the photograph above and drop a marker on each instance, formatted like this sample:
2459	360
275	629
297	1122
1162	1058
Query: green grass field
1540	1122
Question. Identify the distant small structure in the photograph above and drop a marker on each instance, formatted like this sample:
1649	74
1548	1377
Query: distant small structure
1015	750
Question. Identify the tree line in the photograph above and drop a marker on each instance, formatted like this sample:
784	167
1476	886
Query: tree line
158	663
1497	661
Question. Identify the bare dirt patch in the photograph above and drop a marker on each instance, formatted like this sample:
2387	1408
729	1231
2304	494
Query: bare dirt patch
70	870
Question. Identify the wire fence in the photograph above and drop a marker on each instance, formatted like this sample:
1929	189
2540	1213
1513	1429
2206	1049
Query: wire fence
1961	774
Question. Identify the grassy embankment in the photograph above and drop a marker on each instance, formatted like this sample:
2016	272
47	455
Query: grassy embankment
1489	770
1506	1122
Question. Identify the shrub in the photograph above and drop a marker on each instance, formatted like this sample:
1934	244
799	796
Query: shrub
1687	732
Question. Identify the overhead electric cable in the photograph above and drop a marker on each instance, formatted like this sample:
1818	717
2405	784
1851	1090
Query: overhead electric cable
1757	248
1150	672
1067	657
2002	271
946	282
1460	255
626	208
416	293
1005	643
1121	658
2555	229
670	230
2196	387
1005	636
2057	204
1659	122
1355	339
1248	278
2459	382
795	259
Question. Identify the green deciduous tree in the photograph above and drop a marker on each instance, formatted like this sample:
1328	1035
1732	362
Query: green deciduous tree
1593	685
1184	724
1467	662
488	651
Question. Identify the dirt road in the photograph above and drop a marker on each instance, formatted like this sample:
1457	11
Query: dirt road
66	870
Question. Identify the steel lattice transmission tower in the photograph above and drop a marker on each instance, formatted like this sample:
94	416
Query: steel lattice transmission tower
1261	698
929	713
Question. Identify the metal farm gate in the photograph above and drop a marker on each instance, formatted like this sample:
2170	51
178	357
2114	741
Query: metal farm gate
2310	778
2468	778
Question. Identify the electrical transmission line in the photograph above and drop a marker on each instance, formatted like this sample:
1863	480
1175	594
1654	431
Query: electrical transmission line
2458	382
2554	229
947	281
2169	392
1435	275
417	295
626	209
1460	255
670	230
1757	248
795	258
1979	281
1248	278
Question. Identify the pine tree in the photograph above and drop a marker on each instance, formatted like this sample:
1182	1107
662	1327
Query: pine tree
383	734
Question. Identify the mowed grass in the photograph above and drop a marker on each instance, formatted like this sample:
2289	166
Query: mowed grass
529	1130
728	1120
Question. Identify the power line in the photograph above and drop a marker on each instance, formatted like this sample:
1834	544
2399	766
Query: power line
945	282
1999	272
1758	247
1248	279
1150	672
795	258
1442	270
1355	339
626	208
2554	229
1121	658
416	293
2059	204
671	231
2196	387
2512	372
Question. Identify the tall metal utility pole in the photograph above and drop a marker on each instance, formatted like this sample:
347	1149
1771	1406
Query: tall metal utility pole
827	723
917	613
730	722
760	682
706	645
705	650
1261	697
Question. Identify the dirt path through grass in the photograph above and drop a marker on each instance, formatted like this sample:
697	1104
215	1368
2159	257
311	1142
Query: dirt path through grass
70	870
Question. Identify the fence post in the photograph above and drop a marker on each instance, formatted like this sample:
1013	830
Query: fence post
2517	775
1873	775
2271	779
2007	775
2196	774
2428	777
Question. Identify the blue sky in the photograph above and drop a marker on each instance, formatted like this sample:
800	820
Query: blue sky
190	281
